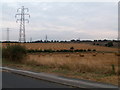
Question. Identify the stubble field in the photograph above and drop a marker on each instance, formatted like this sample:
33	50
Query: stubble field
59	46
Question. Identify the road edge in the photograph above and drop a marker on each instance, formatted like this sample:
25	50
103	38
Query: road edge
65	81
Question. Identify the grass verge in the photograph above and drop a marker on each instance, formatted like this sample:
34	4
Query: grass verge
106	78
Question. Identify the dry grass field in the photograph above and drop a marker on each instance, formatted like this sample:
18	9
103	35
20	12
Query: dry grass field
92	66
59	46
79	62
96	66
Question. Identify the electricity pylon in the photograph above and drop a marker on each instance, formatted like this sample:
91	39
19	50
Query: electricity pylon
30	39
8	34
22	13
46	38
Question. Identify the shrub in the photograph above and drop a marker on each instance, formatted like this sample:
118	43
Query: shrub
57	50
30	51
72	49
65	50
81	50
94	50
81	55
94	54
84	50
109	44
48	50
93	43
14	53
77	50
89	50
117	54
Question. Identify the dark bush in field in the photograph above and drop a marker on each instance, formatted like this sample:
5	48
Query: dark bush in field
48	50
31	51
71	48
89	50
62	50
109	44
94	50
84	50
14	52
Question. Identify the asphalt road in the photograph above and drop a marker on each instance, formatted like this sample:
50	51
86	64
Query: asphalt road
10	80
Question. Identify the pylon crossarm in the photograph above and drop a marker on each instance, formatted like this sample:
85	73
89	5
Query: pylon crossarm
26	9
17	15
18	9
27	14
27	20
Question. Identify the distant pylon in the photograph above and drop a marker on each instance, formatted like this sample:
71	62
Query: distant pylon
8	34
30	39
22	36
46	38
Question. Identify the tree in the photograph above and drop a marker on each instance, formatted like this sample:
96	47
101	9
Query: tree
109	44
71	48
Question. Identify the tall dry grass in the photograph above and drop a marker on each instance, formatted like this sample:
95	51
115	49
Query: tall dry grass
100	63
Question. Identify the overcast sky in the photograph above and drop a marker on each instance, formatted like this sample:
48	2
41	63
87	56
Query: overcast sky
63	20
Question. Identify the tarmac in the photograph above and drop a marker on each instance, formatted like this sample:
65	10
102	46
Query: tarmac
79	83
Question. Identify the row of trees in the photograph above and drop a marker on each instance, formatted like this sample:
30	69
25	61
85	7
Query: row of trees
65	41
75	41
64	50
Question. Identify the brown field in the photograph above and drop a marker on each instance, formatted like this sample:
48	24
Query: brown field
89	63
59	46
79	62
93	66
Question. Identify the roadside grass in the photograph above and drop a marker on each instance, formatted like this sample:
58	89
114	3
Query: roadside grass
99	77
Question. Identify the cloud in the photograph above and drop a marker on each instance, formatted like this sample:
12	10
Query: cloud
65	20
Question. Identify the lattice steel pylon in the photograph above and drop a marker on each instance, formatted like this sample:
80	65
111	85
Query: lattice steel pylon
8	34
22	13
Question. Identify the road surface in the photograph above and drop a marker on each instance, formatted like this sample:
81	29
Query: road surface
10	80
